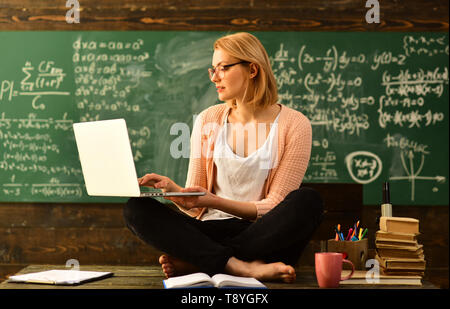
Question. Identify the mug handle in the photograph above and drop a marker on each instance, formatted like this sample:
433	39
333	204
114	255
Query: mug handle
353	269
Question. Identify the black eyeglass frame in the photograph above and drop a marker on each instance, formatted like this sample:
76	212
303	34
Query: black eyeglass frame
212	71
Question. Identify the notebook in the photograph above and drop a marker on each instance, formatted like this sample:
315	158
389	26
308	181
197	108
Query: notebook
60	277
107	161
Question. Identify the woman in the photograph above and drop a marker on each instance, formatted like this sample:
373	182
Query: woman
249	156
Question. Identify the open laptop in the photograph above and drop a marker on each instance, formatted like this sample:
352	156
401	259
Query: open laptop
107	161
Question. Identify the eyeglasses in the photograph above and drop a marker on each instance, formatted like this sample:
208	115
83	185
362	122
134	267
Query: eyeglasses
220	69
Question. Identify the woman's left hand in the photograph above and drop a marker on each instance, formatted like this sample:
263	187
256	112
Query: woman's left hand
190	202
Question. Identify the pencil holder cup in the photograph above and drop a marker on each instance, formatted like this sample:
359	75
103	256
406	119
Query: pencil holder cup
355	251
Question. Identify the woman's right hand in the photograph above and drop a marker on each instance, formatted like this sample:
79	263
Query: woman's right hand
158	182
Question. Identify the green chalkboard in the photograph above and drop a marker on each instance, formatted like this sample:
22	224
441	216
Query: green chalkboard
378	104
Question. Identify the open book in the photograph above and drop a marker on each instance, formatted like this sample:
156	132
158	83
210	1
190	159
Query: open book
60	277
218	281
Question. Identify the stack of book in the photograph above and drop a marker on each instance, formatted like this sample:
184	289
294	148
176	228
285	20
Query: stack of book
398	250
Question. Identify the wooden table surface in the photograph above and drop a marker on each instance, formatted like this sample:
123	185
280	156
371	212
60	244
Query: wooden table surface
150	277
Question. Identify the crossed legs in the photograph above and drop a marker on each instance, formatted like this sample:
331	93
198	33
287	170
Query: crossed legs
265	249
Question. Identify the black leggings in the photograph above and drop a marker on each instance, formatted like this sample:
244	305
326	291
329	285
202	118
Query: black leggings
278	236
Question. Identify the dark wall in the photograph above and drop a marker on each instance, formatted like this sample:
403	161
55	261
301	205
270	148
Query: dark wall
263	15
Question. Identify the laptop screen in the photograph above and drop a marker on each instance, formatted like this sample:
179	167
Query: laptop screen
106	158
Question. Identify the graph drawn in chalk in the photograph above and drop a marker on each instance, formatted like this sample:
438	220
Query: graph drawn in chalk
412	175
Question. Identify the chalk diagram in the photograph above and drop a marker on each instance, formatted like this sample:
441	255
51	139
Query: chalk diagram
364	167
412	175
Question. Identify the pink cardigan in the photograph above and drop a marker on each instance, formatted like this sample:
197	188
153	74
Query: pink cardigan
294	150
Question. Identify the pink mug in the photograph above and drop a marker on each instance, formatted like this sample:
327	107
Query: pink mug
329	269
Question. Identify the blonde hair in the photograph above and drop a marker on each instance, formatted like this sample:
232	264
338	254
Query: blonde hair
246	47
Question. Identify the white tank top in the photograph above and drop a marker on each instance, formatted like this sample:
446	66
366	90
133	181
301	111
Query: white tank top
241	178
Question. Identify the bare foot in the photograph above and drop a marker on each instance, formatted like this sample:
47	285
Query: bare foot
261	271
175	267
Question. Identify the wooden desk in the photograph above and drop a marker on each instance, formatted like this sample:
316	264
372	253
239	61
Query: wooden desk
150	277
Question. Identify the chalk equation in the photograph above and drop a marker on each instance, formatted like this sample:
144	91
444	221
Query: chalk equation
363	166
39	82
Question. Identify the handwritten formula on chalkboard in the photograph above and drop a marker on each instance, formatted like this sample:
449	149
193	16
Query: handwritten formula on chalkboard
378	105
